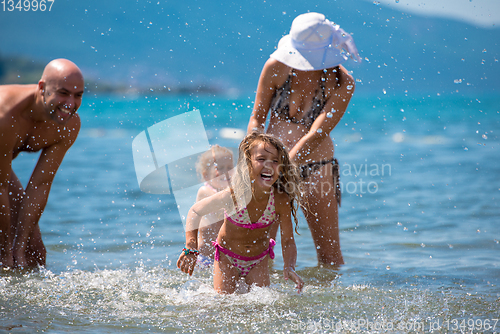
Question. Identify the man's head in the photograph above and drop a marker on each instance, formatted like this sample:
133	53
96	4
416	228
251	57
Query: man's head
61	88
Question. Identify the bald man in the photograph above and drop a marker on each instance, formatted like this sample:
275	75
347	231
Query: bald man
33	118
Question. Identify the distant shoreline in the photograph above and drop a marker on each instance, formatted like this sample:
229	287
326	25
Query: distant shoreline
19	70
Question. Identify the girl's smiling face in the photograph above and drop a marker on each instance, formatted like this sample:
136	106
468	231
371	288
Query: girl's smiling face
265	165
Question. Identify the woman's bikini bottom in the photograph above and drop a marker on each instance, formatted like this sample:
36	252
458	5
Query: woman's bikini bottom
307	169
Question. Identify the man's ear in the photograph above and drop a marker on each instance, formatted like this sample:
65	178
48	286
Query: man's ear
41	86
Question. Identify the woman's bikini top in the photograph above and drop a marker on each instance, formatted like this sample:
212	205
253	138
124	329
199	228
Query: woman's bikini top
280	104
242	218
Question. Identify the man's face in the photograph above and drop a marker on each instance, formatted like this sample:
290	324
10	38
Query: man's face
63	97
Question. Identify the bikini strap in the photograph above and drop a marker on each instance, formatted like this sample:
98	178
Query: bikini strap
216	255
272	243
322	84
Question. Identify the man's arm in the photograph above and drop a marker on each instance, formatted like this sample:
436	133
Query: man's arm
38	188
5	234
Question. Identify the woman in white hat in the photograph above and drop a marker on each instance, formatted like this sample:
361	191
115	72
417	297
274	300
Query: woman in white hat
306	92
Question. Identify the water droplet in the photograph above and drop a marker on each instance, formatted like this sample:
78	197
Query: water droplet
388	268
397	1
319	130
457	81
485	137
329	114
422	245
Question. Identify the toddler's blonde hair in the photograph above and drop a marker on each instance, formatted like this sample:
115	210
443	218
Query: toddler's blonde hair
207	159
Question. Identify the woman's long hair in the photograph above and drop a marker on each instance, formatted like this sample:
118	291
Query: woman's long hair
289	180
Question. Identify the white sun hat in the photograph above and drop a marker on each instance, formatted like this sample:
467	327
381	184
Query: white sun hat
314	43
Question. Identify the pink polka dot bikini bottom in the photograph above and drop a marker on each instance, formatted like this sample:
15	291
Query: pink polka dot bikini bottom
243	263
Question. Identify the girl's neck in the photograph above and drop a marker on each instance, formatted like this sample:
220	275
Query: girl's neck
261	194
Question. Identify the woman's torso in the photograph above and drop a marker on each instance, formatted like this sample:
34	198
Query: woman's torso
294	108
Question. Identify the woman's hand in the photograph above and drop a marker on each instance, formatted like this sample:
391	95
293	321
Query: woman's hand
186	263
290	273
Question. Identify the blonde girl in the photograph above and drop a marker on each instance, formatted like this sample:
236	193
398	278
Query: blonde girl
264	192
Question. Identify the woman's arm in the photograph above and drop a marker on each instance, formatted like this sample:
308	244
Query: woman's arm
271	75
339	98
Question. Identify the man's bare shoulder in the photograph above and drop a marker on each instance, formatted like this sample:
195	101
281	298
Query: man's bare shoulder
14	98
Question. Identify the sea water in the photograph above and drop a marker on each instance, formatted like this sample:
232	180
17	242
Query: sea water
418	229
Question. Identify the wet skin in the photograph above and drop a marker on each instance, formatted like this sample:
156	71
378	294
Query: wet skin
40	117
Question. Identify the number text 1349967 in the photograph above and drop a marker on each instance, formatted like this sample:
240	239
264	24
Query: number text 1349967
26	5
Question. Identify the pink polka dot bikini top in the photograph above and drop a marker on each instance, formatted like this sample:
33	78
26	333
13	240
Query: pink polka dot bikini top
242	218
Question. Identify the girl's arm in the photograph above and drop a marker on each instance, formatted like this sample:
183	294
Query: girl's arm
288	246
333	111
187	259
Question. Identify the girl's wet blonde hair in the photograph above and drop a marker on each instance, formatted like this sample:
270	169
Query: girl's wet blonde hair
208	159
289	180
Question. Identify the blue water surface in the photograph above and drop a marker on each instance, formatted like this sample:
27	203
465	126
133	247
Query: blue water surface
418	222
